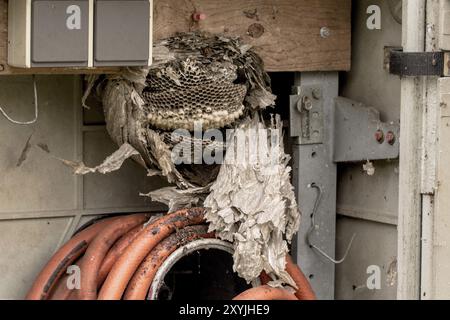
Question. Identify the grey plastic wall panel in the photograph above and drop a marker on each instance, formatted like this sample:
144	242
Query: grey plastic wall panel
368	82
121	33
369	198
38	182
26	245
374	248
120	188
94	115
371	203
60	33
41	202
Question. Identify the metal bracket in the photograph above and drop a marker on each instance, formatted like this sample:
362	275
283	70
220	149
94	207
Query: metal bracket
414	64
307	123
347	132
359	134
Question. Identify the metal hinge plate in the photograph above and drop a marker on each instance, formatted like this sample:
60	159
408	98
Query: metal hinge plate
413	64
306	120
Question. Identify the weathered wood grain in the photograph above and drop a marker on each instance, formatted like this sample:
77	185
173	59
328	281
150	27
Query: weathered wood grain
291	40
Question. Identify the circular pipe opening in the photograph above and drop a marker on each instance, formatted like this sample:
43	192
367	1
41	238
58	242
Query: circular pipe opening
200	270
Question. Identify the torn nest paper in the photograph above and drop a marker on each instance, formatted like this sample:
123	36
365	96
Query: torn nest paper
252	202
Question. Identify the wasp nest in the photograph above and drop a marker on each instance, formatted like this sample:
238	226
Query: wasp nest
193	92
195	78
207	80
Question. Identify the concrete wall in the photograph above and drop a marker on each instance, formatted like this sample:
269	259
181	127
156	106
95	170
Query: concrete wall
41	202
367	205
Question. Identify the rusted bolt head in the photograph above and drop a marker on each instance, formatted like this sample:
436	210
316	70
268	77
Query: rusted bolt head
379	136
198	16
390	138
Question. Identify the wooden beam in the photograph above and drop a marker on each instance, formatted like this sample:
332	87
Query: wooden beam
411	142
286	33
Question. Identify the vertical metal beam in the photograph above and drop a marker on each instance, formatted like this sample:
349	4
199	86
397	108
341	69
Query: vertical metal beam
314	164
410	205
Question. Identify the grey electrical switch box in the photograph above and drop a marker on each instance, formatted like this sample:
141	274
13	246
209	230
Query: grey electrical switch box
122	33
79	33
60	33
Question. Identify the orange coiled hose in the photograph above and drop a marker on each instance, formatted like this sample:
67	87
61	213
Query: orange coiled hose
97	250
266	293
128	253
116	251
64	257
304	291
124	268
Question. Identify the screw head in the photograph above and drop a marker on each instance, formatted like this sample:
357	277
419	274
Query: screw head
390	138
307	103
325	32
379	136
